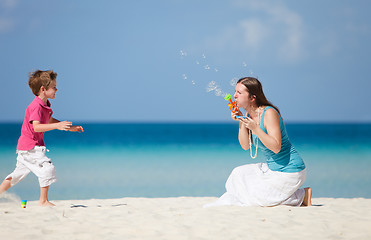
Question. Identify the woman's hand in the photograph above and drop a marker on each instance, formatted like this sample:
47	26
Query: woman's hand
249	123
235	114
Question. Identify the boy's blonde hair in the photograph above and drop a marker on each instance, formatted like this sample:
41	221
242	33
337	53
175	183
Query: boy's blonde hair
40	79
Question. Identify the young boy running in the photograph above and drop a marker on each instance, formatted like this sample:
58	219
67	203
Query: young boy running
31	148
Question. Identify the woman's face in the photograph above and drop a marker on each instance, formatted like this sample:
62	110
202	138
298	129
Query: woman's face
242	96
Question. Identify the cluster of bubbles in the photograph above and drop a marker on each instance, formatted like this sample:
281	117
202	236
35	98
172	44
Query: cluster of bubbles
185	78
184	54
212	86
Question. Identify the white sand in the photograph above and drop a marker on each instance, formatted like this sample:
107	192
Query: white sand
184	218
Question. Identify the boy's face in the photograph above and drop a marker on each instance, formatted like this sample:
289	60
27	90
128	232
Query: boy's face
50	93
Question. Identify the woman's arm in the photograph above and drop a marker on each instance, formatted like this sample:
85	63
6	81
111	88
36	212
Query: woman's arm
243	132
244	136
271	139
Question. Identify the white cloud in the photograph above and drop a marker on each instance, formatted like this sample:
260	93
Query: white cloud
6	22
327	45
284	25
6	25
254	33
292	44
8	4
271	26
361	29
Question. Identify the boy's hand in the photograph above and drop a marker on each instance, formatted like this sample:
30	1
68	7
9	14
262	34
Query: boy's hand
76	129
64	126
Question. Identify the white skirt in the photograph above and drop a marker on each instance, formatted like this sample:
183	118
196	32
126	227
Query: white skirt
257	185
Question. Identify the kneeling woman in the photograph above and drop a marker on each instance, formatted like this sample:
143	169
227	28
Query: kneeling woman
277	181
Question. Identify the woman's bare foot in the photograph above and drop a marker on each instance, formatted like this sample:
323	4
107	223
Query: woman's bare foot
46	203
307	197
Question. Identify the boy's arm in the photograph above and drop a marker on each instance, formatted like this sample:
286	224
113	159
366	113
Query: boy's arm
75	128
53	120
72	128
53	124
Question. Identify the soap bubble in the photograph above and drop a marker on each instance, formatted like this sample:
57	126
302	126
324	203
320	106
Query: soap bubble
184	77
244	64
216	70
193	82
233	82
211	86
203	56
183	53
207	67
197	62
218	92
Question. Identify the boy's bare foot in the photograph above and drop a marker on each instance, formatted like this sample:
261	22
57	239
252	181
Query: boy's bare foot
46	204
307	197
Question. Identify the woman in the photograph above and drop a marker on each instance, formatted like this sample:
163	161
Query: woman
277	181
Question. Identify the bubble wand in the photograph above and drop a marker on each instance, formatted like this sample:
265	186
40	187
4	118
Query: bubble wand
232	105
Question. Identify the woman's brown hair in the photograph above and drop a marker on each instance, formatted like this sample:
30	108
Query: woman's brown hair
254	87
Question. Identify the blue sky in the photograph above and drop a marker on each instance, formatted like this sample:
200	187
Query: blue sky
152	61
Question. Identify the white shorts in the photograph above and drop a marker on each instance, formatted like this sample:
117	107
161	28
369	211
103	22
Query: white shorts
35	161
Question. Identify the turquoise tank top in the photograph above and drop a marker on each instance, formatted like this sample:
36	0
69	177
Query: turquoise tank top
287	159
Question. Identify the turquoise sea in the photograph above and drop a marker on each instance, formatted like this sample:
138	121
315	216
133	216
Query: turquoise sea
115	160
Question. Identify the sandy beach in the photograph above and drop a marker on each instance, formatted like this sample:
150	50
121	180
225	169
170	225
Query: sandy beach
184	218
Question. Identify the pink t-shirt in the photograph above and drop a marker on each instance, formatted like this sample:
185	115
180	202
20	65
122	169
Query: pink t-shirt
36	111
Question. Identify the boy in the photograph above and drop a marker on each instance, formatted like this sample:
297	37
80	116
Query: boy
31	148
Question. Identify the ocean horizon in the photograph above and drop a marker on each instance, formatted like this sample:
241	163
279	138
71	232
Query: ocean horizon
114	160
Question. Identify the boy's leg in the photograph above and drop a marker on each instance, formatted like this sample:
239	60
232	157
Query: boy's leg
19	173
44	197
45	179
44	169
5	185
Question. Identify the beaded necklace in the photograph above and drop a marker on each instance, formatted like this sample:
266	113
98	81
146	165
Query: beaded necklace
257	139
